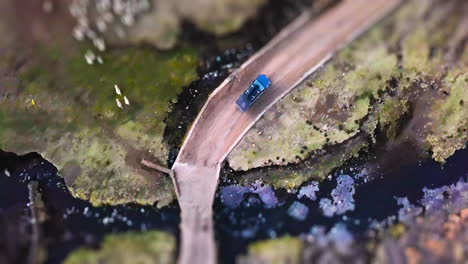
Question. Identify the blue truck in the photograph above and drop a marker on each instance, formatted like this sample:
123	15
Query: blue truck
255	90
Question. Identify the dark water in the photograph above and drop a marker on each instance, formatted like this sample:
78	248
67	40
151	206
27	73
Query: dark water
374	200
71	222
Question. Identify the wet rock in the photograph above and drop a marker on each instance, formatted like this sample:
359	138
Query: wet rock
407	211
267	195
309	191
342	196
298	211
233	195
338	238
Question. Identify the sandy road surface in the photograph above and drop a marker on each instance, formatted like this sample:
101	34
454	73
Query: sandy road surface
291	56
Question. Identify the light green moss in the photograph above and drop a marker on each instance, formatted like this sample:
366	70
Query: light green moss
129	248
392	110
416	52
449	119
374	67
315	168
221	17
275	251
389	114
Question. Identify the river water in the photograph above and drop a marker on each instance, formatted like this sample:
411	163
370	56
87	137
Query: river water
260	213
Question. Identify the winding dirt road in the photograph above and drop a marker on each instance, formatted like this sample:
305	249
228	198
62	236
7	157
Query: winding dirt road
291	56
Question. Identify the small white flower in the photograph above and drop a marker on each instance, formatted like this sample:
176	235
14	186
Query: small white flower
78	33
117	90
101	25
90	33
103	5
118	7
99	59
83	22
89	57
127	102
99	44
128	19
118	103
108	17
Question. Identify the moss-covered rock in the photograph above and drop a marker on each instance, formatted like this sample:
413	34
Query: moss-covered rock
161	24
71	113
449	118
317	166
128	248
326	109
275	251
405	78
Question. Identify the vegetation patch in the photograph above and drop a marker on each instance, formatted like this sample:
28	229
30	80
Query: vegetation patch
131	247
276	251
97	122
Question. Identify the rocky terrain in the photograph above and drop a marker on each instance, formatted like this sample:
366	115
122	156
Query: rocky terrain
91	91
402	82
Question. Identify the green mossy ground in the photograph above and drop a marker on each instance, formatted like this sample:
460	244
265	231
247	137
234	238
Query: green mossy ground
66	110
129	248
400	69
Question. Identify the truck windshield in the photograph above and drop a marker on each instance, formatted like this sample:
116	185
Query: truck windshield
252	88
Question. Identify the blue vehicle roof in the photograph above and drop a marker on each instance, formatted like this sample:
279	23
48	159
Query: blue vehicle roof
251	94
263	79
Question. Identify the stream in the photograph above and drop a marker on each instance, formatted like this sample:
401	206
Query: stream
261	212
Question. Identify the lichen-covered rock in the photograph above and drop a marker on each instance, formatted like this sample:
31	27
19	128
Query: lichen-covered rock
218	16
71	113
127	248
275	251
405	78
159	22
449	118
318	166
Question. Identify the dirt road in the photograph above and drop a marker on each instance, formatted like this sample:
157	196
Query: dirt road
291	56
